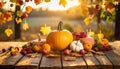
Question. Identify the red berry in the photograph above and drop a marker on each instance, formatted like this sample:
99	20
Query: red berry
96	49
11	5
82	52
67	52
3	50
45	52
25	15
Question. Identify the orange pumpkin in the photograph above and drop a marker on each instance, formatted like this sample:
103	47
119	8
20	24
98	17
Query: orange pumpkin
88	46
104	41
37	48
59	39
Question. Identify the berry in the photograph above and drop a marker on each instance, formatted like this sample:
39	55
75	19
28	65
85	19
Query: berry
67	52
82	52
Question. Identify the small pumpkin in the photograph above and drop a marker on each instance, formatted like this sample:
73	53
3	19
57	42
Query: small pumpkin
37	48
46	47
88	46
59	39
104	41
76	46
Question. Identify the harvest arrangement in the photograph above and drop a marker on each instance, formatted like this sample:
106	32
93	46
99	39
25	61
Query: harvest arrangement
67	42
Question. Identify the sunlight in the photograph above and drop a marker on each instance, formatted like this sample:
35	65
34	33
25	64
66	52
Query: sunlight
54	5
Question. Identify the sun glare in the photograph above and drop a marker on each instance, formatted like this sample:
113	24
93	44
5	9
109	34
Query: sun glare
54	5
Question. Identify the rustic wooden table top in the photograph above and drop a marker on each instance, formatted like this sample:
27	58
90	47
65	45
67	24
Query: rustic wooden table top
110	60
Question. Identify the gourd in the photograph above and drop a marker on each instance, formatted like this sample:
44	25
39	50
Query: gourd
76	46
59	39
88	46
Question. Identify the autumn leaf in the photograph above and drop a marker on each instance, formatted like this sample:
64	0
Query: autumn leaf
2	4
8	32
25	26
88	20
63	2
14	1
8	16
47	0
28	9
37	1
2	19
18	20
45	29
19	13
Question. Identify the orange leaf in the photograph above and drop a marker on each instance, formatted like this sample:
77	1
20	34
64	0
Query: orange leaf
37	1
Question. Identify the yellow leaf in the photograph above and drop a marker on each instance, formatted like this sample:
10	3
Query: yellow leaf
18	20
45	30
47	0
25	26
100	35
8	32
63	2
88	20
90	33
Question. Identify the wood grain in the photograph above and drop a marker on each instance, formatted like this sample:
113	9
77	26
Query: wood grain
104	61
50	63
29	62
114	58
79	63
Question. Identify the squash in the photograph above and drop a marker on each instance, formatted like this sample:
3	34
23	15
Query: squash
76	46
59	39
87	40
88	46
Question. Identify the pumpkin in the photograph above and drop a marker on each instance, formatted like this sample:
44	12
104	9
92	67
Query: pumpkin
37	48
87	40
76	46
88	46
104	41
46	47
59	39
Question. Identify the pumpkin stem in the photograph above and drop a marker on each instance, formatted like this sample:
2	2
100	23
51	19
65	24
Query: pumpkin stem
60	25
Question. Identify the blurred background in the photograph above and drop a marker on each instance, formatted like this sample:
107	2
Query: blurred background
76	15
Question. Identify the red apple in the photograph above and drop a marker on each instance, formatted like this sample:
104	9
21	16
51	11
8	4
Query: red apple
83	35
82	52
45	52
25	15
67	52
76	35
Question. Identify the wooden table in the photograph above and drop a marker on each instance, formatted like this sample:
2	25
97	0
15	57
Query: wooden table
110	60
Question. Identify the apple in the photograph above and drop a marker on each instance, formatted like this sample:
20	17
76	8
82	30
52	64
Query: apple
45	52
76	35
82	52
67	52
25	15
82	34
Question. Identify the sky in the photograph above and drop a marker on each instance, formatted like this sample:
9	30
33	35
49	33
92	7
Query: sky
53	5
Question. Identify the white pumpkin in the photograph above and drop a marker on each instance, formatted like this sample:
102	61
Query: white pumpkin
76	46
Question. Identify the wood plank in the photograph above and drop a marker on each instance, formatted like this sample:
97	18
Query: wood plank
7	61
114	58
91	62
104	61
79	63
29	62
50	63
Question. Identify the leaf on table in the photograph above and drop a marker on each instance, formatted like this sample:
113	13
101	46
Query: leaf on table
75	54
69	58
52	55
